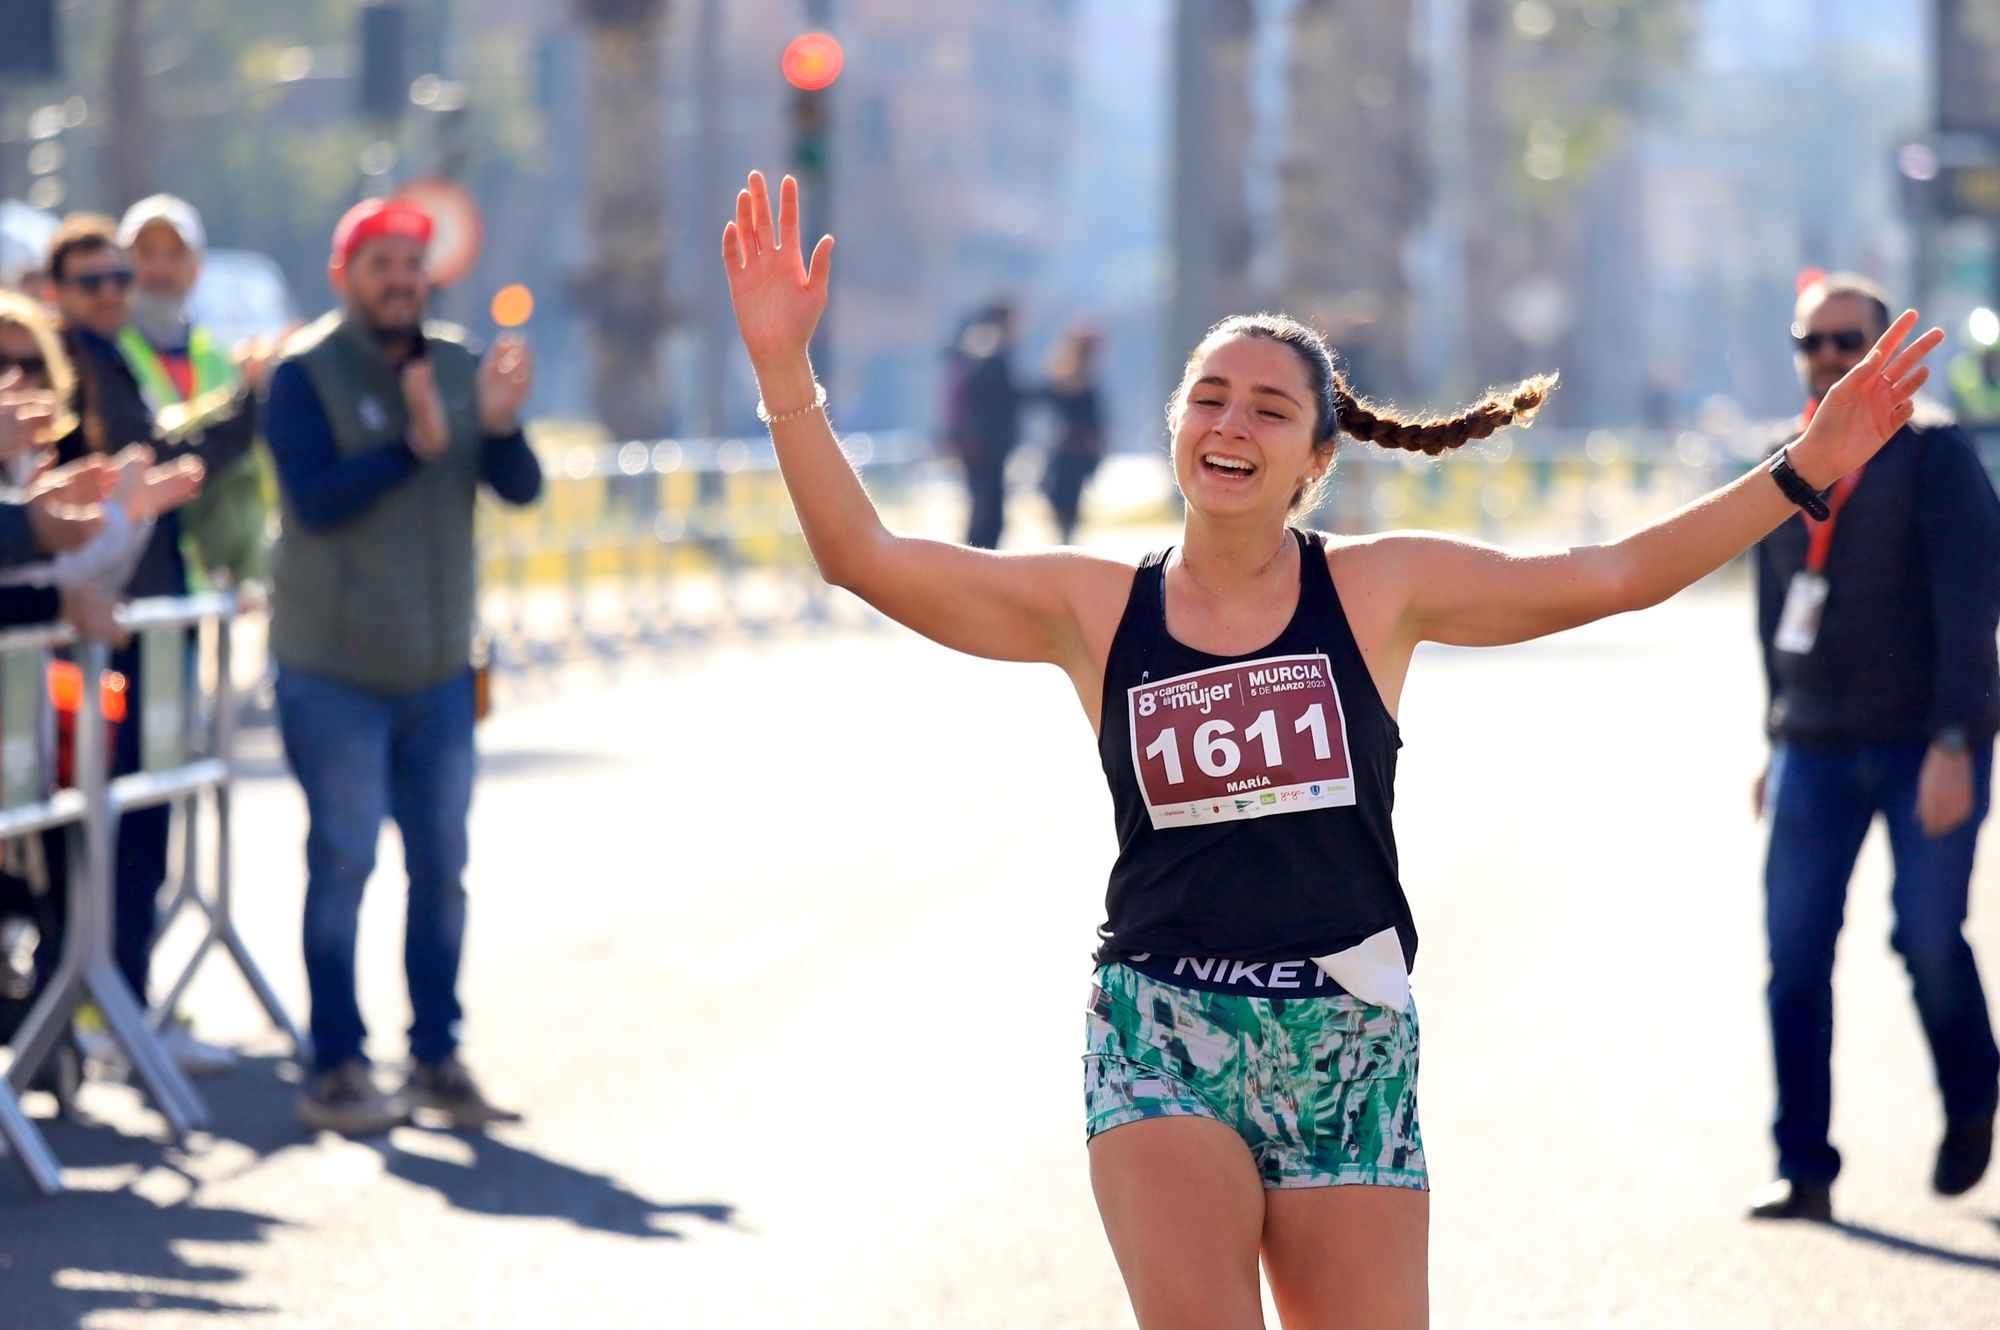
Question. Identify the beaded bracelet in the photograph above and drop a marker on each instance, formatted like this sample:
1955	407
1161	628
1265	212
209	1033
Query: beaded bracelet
818	404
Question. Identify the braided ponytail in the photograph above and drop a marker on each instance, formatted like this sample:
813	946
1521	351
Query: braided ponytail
1434	434
1338	409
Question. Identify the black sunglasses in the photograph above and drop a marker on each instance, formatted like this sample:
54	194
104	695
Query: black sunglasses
1848	340
26	364
93	282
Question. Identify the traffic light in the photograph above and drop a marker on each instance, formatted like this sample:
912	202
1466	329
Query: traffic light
808	133
811	63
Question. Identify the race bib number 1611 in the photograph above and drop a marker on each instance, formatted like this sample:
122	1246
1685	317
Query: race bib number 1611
1237	741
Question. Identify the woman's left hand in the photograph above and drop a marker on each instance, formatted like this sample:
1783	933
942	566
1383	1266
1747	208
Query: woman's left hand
1869	404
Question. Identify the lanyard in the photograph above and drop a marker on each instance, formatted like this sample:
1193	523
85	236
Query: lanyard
1819	535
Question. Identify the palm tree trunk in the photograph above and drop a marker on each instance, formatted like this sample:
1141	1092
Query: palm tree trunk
622	287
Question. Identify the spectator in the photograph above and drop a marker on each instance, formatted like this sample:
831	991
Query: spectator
383	427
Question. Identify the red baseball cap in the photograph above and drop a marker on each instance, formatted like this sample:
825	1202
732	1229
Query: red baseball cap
378	219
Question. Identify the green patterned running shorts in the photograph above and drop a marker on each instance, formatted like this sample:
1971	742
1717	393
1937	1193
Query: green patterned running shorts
1322	1089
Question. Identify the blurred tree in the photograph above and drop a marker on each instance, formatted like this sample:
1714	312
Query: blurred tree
621	289
248	111
1210	153
128	162
1553	92
1353	182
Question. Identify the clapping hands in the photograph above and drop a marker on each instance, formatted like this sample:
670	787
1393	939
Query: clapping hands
430	428
505	377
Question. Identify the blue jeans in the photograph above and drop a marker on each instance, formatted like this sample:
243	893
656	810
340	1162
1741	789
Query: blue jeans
360	756
141	848
1822	802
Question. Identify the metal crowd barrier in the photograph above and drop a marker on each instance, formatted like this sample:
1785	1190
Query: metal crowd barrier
632	536
657	544
186	732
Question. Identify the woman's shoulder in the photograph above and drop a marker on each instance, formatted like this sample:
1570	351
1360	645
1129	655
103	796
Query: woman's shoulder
1387	563
1373	547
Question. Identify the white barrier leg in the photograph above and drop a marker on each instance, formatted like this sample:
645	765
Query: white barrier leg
27	1145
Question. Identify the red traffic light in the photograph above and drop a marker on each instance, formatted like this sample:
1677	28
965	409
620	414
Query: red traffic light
812	61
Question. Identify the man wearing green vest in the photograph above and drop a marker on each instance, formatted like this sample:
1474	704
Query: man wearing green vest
182	369
382	428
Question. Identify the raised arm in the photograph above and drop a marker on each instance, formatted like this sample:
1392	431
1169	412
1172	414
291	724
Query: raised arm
1016	606
1468	594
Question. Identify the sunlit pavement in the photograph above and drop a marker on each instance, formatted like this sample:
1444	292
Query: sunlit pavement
783	947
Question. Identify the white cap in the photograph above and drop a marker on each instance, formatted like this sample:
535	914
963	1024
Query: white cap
175	212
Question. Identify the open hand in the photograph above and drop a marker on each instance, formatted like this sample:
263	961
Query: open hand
165	487
86	480
430	431
778	297
505	376
66	505
27	415
1869	404
1944	791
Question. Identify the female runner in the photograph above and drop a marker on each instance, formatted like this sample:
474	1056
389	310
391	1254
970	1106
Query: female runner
1251	1061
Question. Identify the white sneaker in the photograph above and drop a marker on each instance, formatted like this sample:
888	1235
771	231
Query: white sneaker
192	1055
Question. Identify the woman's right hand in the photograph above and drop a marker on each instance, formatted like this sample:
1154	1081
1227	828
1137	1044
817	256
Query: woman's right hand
777	296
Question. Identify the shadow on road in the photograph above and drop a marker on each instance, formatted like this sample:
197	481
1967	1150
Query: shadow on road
1909	1246
88	1251
502	1179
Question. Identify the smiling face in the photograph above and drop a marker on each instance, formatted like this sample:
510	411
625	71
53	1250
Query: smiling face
162	264
1243	430
1840	330
94	290
384	285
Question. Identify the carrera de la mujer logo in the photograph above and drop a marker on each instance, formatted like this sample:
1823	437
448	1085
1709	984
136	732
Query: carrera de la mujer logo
1254	739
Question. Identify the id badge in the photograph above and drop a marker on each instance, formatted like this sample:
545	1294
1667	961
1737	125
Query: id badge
1798	622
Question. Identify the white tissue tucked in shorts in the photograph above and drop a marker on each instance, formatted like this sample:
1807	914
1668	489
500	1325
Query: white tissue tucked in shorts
1372	970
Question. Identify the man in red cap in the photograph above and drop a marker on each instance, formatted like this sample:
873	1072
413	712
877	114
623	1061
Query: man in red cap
383	427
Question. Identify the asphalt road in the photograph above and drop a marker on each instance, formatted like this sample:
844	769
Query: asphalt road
783	947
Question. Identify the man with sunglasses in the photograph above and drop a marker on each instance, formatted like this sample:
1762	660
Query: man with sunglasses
90	284
1877	615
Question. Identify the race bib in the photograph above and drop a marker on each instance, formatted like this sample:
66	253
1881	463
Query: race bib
1239	741
1798	622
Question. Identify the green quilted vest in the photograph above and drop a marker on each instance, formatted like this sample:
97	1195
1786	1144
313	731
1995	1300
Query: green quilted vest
384	602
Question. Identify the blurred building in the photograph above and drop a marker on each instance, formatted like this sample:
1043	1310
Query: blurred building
953	131
1212	152
957	122
1775	152
1353	182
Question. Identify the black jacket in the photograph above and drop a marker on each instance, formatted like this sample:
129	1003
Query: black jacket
1906	643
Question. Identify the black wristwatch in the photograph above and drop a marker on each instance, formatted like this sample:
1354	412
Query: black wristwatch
1951	739
1795	486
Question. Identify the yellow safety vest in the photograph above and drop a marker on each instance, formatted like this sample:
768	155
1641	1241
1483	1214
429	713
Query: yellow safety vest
212	368
1978	396
226	525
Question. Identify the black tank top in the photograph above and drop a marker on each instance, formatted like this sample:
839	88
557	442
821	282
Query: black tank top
1252	793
